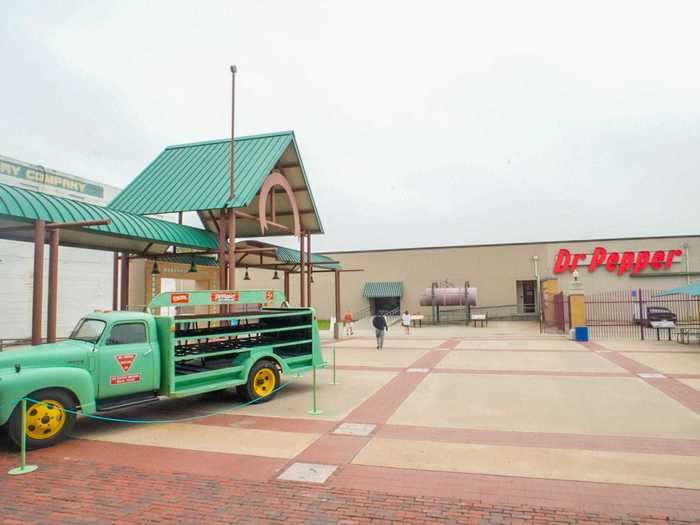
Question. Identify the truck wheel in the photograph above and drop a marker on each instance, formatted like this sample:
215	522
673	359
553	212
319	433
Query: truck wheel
47	421
263	382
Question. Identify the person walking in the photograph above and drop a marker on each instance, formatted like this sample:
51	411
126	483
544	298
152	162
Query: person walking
380	326
347	323
406	322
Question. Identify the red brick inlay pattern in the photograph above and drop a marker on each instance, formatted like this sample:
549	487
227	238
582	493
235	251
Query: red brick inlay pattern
676	447
553	373
450	343
333	449
685	395
382	405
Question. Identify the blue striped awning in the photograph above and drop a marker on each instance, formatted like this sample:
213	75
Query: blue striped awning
383	289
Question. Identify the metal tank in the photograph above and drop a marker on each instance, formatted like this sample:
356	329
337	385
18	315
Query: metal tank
449	297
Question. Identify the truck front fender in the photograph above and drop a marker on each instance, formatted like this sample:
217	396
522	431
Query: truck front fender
15	386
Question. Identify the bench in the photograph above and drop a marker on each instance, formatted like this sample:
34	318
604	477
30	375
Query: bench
418	318
662	325
482	319
684	335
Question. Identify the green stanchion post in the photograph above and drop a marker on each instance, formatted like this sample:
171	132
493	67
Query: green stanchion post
23	468
314	411
334	382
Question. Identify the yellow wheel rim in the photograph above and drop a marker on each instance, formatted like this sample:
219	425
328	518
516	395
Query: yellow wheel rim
45	419
264	382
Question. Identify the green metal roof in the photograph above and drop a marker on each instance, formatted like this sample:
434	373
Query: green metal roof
383	289
292	256
126	232
195	177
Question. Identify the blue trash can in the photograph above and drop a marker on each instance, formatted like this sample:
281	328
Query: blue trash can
582	334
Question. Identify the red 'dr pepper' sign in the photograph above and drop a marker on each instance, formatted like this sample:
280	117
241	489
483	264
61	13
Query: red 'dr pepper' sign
615	261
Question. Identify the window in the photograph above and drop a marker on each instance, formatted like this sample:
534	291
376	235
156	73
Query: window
88	330
127	333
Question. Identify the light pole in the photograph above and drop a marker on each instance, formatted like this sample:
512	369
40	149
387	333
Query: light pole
233	114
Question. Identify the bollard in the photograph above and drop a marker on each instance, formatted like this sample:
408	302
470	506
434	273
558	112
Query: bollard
334	382
23	468
314	411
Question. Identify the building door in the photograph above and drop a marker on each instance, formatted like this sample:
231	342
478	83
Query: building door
527	296
385	305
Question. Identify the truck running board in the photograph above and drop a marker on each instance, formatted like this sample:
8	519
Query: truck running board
117	403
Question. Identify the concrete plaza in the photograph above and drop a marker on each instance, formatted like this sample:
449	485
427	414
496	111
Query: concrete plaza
501	422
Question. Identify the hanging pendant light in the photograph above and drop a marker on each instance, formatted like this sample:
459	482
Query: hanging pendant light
311	278
246	277
155	270
275	277
193	267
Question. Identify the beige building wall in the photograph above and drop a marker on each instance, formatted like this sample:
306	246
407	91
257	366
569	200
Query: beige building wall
494	270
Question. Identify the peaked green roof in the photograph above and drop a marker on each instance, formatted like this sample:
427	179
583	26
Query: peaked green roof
192	177
383	289
126	232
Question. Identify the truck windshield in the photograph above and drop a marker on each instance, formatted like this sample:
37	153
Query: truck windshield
88	330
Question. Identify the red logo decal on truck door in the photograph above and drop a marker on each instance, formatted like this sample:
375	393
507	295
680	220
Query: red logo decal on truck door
120	380
126	360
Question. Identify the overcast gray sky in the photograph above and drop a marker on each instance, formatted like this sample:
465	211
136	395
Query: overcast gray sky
419	123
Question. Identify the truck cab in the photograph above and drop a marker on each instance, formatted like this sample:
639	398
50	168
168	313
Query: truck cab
104	351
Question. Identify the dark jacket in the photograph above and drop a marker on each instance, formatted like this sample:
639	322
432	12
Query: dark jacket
379	322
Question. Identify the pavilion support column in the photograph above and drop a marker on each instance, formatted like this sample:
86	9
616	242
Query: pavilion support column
232	250
38	280
54	238
309	269
124	288
302	283
222	251
336	327
286	285
115	282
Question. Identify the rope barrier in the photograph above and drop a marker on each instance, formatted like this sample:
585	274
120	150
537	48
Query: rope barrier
162	421
24	468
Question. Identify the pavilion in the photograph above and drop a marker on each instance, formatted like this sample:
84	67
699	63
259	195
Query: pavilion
264	193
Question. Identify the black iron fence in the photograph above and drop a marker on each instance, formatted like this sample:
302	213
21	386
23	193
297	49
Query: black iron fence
630	313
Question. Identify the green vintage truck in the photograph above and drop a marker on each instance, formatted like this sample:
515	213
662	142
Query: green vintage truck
114	360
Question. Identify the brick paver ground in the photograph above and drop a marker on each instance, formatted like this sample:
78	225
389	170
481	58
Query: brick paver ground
95	481
82	492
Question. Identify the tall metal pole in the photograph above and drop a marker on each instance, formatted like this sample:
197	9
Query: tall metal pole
38	281
231	249
53	286
233	120
302	284
115	282
222	251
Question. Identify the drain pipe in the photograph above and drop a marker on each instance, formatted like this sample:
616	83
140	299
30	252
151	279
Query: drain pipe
535	260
